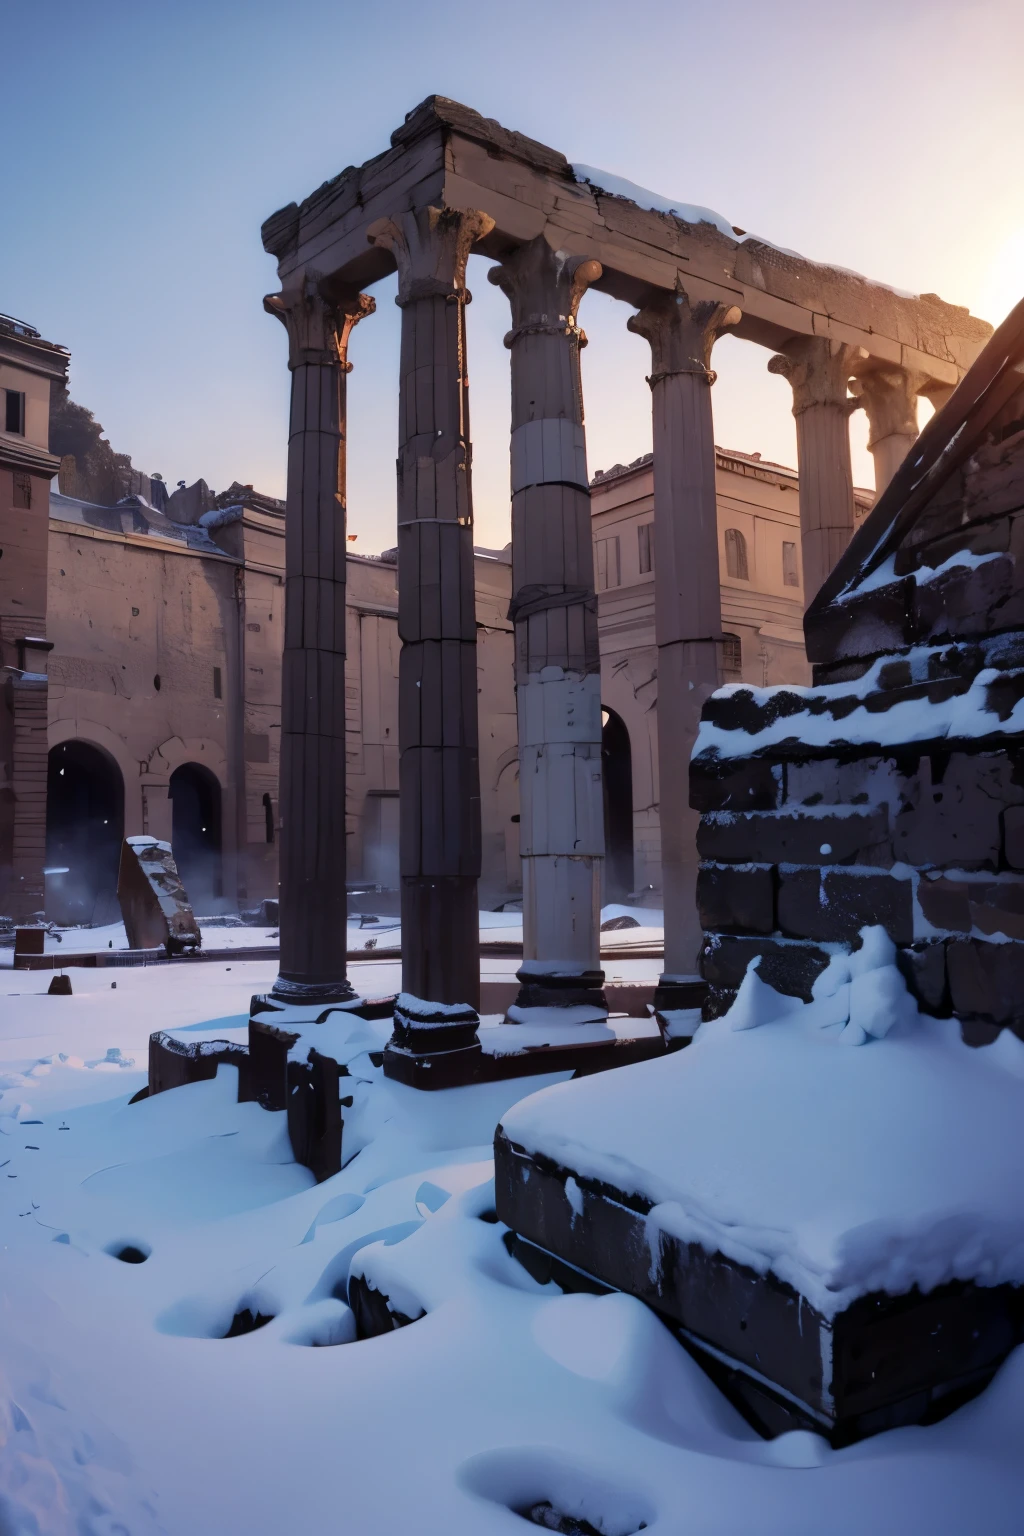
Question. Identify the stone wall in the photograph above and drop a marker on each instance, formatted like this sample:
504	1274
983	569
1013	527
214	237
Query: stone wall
892	792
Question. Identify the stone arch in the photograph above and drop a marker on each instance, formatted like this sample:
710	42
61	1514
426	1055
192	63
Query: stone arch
77	728
177	750
84	829
197	833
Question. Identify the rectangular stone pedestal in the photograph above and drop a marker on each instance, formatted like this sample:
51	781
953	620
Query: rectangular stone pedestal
882	1362
476	1064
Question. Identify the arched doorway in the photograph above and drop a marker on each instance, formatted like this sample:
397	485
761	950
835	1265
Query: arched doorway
195	835
84	828
617	766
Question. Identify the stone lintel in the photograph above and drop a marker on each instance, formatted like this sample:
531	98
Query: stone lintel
446	154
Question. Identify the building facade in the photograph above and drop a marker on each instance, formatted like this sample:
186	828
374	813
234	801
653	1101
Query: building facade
762	617
29	368
164	683
142	657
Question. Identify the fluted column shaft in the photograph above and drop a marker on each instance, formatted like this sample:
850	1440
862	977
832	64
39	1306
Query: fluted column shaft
819	368
554	607
313	908
439	776
687	592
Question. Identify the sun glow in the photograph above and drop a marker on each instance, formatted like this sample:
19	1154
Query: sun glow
1002	284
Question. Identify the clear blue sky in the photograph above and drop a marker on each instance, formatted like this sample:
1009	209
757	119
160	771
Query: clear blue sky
146	142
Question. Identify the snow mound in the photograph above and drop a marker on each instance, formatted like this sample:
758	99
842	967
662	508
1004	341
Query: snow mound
843	1171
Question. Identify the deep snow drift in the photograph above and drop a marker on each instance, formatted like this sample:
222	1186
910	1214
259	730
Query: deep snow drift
123	1407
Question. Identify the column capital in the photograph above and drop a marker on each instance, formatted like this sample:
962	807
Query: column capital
431	247
318	322
681	332
544	287
889	396
819	369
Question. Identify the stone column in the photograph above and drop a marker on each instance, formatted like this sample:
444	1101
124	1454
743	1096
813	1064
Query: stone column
687	592
312	795
889	396
554	608
439	776
819	368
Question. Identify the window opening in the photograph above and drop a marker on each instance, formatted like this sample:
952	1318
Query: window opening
14	415
607	566
645	539
736	564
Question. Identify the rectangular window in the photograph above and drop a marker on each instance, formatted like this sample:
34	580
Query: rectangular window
22	489
14	419
608	570
645	538
216	684
790	569
732	655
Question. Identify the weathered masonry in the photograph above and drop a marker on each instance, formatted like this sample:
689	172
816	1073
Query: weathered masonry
893	791
453	183
29	367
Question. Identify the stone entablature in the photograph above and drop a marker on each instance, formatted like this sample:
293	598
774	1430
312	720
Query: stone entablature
893	791
447	154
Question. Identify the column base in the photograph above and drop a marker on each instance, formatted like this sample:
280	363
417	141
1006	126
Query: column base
547	984
285	990
678	1007
674	992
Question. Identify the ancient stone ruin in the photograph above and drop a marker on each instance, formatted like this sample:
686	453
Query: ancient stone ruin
859	840
154	903
893	791
861	885
454	183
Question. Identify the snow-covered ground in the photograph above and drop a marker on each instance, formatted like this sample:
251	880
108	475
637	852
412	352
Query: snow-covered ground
124	1409
645	930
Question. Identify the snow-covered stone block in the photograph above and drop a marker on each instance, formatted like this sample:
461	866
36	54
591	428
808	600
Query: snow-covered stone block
822	1197
154	903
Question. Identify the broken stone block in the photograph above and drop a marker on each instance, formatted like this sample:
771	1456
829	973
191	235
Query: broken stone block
174	1062
426	1026
315	1123
154	904
878	1363
818	1289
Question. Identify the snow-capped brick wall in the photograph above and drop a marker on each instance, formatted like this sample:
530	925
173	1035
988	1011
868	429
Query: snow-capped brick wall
891	792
